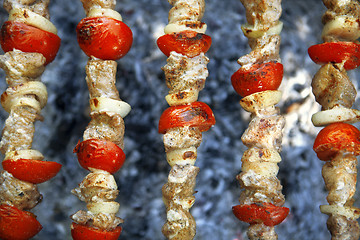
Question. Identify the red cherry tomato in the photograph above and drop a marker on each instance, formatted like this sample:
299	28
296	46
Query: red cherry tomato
188	43
17	35
195	114
83	232
16	224
33	171
103	37
266	213
336	52
337	137
100	154
259	77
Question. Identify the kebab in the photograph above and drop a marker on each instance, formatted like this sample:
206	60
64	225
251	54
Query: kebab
338	143
257	82
104	38
30	42
185	44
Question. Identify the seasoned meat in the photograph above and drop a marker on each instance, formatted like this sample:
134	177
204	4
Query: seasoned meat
262	12
261	232
182	137
89	4
332	87
107	222
186	10
14	192
183	73
342	228
38	6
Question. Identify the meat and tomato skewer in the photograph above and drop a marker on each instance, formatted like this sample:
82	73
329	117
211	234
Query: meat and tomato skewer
30	42
257	81
182	124
338	143
104	38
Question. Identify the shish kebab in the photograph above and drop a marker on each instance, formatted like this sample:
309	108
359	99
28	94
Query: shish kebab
30	42
182	124
104	38
338	143
257	81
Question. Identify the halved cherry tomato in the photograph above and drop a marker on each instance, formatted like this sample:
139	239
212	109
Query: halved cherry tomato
33	171
266	213
336	52
100	154
16	224
189	43
18	35
103	37
83	232
259	77
195	114
337	137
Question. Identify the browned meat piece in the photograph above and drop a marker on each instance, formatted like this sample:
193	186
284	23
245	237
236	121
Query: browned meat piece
262	12
260	189
19	129
261	232
186	10
182	137
264	49
22	67
38	6
15	192
184	73
101	78
107	126
178	198
342	228
264	132
340	179
107	222
332	87
88	4
340	7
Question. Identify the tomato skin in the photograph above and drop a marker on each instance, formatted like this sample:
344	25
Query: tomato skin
259	77
337	137
100	154
189	43
16	224
103	37
18	35
266	213
195	114
336	52
83	232
33	171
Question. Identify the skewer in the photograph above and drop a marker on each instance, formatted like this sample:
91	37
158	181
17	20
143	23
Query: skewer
338	143
30	42
182	124
104	38
257	82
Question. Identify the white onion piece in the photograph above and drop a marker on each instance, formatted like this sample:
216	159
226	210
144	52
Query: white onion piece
260	100
31	18
251	31
103	207
269	169
12	95
338	114
179	27
345	27
182	98
102	104
104	12
24	154
349	212
178	156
